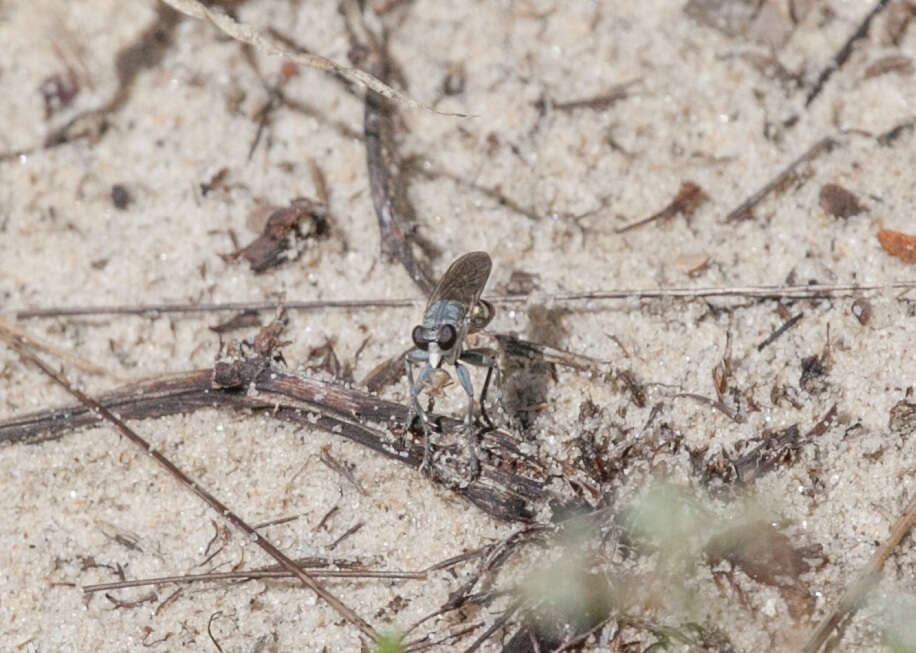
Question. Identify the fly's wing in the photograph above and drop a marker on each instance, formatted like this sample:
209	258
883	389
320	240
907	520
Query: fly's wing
464	280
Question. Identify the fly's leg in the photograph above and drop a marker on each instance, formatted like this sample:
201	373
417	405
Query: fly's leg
483	394
486	358
414	403
465	379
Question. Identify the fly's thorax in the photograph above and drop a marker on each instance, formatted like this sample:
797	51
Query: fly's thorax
445	311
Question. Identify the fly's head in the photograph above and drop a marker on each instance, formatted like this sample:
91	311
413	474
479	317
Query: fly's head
439	341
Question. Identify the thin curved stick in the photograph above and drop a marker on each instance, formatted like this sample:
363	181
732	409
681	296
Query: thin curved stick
855	594
267	44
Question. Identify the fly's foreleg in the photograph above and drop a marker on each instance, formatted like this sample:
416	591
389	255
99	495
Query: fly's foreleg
415	387
465	380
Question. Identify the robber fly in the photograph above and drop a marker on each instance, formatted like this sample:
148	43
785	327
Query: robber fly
454	310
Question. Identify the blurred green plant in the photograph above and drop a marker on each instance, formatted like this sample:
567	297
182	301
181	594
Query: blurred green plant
900	623
389	643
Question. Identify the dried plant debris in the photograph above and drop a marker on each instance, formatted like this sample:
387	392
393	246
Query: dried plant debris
892	63
633	386
758	456
731	17
770	557
284	234
902	418
216	181
754	458
766	22
824	423
120	196
454	81
386	373
267	43
776	21
842	56
323	358
604	448
899	15
839	202
394	606
243	320
790	174
788	324
58	91
898	244
771	68
600	102
862	310
894	134
685	203
522	283
814	370
267	340
102	412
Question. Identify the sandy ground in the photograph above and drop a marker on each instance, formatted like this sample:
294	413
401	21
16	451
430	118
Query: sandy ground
700	105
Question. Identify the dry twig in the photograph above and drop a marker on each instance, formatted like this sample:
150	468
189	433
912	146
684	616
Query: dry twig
98	409
54	350
744	210
341	411
266	43
273	572
840	58
812	291
855	594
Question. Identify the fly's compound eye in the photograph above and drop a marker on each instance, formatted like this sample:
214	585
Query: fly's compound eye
447	337
418	335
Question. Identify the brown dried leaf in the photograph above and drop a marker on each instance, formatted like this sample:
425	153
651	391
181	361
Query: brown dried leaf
304	217
901	245
720	378
839	202
688	198
761	551
894	63
770	557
